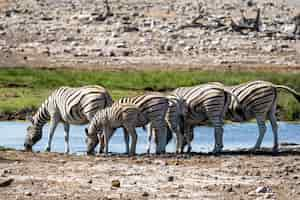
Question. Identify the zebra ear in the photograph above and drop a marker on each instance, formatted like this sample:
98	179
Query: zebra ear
29	118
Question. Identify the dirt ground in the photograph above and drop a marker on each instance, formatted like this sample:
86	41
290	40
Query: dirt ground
232	175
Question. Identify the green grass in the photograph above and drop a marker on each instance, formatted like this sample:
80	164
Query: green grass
26	87
5	148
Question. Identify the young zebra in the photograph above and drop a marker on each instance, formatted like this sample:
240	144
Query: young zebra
206	102
154	106
106	121
69	106
257	99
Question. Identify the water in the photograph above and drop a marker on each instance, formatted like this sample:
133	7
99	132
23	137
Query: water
244	135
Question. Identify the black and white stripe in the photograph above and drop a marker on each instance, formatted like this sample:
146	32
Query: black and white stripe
154	106
69	106
202	103
107	120
258	99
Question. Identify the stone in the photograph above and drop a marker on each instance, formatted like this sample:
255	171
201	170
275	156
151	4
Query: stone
269	48
28	193
121	45
6	182
170	178
181	42
145	194
268	195
115	183
263	189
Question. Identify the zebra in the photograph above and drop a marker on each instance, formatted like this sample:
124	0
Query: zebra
174	123
69	106
107	120
154	107
201	103
258	99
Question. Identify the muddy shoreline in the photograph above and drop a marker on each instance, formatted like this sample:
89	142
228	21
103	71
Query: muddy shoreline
235	176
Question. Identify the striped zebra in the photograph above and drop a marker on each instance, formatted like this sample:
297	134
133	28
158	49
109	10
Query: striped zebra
174	123
154	106
258	99
69	106
106	121
206	102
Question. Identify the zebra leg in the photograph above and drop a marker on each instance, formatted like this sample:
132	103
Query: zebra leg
274	125
66	132
132	132
262	130
150	133
179	141
53	125
106	141
218	139
101	142
161	139
126	139
188	137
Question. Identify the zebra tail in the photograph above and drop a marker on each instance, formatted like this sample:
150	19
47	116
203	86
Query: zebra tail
290	90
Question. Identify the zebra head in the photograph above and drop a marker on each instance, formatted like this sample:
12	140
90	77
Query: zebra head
91	140
34	134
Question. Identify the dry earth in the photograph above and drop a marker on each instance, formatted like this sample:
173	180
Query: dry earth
147	34
233	175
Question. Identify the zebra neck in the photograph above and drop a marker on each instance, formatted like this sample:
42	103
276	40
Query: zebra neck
42	115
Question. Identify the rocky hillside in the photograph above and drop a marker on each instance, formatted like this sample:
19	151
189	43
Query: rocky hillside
169	33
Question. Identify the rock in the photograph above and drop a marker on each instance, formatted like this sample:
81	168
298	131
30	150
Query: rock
263	189
168	47
129	29
121	45
181	42
173	195
268	195
269	48
28	193
170	178
188	48
228	189
145	194
258	173
115	183
90	181
250	3
6	182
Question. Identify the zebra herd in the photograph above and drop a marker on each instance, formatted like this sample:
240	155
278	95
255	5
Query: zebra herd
176	112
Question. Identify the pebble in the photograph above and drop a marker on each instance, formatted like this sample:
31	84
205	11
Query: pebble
145	194
6	182
115	183
268	195
28	194
263	189
170	178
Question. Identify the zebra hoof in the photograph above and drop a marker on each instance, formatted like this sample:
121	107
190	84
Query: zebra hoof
189	149
47	149
217	151
253	150
275	150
